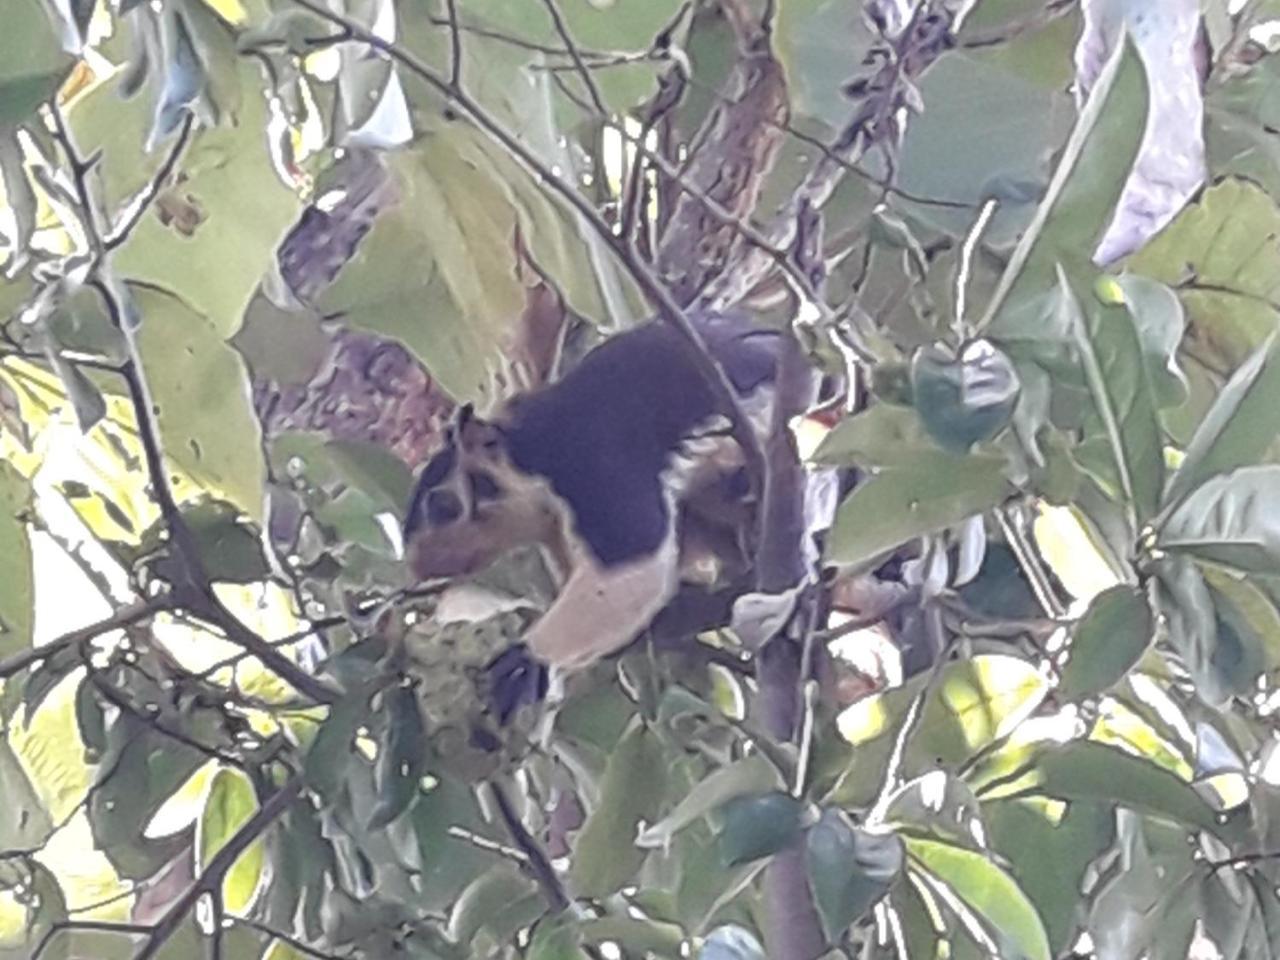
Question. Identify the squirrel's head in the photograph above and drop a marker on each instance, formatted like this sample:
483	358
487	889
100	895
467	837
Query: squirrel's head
471	505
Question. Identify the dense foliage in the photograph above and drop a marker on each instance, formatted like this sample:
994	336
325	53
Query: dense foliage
257	251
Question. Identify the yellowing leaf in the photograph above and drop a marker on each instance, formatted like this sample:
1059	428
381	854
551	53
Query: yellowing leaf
230	804
1064	543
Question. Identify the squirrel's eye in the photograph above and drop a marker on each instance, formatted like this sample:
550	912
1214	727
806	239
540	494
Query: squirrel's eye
442	508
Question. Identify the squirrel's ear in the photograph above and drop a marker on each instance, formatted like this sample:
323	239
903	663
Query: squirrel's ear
466	413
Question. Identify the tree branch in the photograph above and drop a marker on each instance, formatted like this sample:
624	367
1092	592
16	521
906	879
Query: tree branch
124	617
143	202
196	591
537	863
593	91
216	868
648	282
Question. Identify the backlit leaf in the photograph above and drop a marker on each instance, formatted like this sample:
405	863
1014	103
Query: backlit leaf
989	892
230	803
17	582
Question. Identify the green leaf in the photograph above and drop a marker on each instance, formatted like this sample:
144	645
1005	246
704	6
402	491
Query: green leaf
1160	322
91	720
1193	627
374	471
1222	255
238	212
1084	770
1139	898
991	125
742	777
1238	428
819	40
901	503
24	822
86	399
147	768
230	549
230	804
617	25
758	826
556	938
402	756
1086	185
966	399
879	437
203	404
1232	519
333	748
1107	642
1248	608
605	856
17	582
849	870
1049	856
1123	405
34	62
279	950
989	892
492	901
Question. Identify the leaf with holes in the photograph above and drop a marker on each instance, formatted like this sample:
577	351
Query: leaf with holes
402	757
202	401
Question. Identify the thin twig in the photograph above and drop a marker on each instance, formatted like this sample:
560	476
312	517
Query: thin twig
317	626
965	267
455	44
97	926
1029	561
538	864
645	279
124	617
1051	12
589	81
197	591
514	854
117	698
286	938
152	190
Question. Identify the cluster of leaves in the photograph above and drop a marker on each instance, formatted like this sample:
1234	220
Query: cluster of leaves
1099	769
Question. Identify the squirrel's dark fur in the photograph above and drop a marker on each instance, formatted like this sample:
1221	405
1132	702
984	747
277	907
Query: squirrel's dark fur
584	468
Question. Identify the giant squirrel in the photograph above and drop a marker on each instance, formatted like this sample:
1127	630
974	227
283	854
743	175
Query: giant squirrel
594	468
